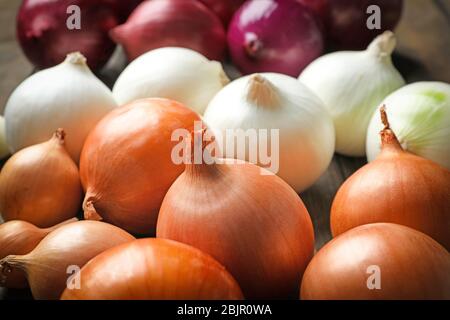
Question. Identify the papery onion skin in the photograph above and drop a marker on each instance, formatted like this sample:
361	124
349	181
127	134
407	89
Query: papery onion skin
397	187
41	184
224	9
20	237
45	38
419	115
172	23
47	266
126	166
256	44
411	266
175	271
249	220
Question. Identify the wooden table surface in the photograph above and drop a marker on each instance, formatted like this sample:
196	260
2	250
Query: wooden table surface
423	53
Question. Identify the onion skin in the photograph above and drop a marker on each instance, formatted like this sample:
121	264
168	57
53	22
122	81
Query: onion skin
172	23
254	224
224	9
174	271
396	187
41	184
256	45
46	40
126	166
20	237
71	245
412	266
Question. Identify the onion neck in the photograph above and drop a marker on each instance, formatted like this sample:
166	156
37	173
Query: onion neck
89	210
60	136
262	93
389	140
8	264
196	166
383	45
76	58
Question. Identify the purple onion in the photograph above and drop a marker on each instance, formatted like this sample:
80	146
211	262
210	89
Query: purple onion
274	36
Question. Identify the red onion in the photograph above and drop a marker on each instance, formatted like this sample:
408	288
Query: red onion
347	21
224	9
319	7
172	23
274	36
123	8
46	40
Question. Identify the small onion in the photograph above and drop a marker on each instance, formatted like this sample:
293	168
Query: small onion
40	184
154	269
126	166
20	237
179	74
397	187
379	261
248	219
51	264
172	23
274	36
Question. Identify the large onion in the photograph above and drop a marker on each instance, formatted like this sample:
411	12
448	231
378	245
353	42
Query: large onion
51	264
46	39
274	36
154	269
172	23
126	166
407	263
250	220
397	187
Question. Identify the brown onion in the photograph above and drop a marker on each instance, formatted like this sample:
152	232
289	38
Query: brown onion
248	219
172	23
40	184
397	187
394	261
20	237
154	269
126	166
48	266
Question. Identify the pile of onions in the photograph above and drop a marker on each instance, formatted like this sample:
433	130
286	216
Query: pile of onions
246	218
274	36
20	237
40	184
396	187
379	261
46	39
4	150
48	267
126	166
352	84
172	23
224	9
275	101
154	269
419	115
67	96
179	74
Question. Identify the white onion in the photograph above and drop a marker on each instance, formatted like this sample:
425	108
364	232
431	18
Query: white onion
419	115
179	74
66	96
352	84
276	101
4	151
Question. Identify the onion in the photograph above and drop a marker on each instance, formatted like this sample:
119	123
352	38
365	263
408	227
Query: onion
123	8
126	166
173	73
275	101
274	36
48	266
4	151
251	221
172	23
45	38
173	270
419	115
224	9
408	264
20	237
397	187
352	84
67	96
319	7
346	22
40	184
